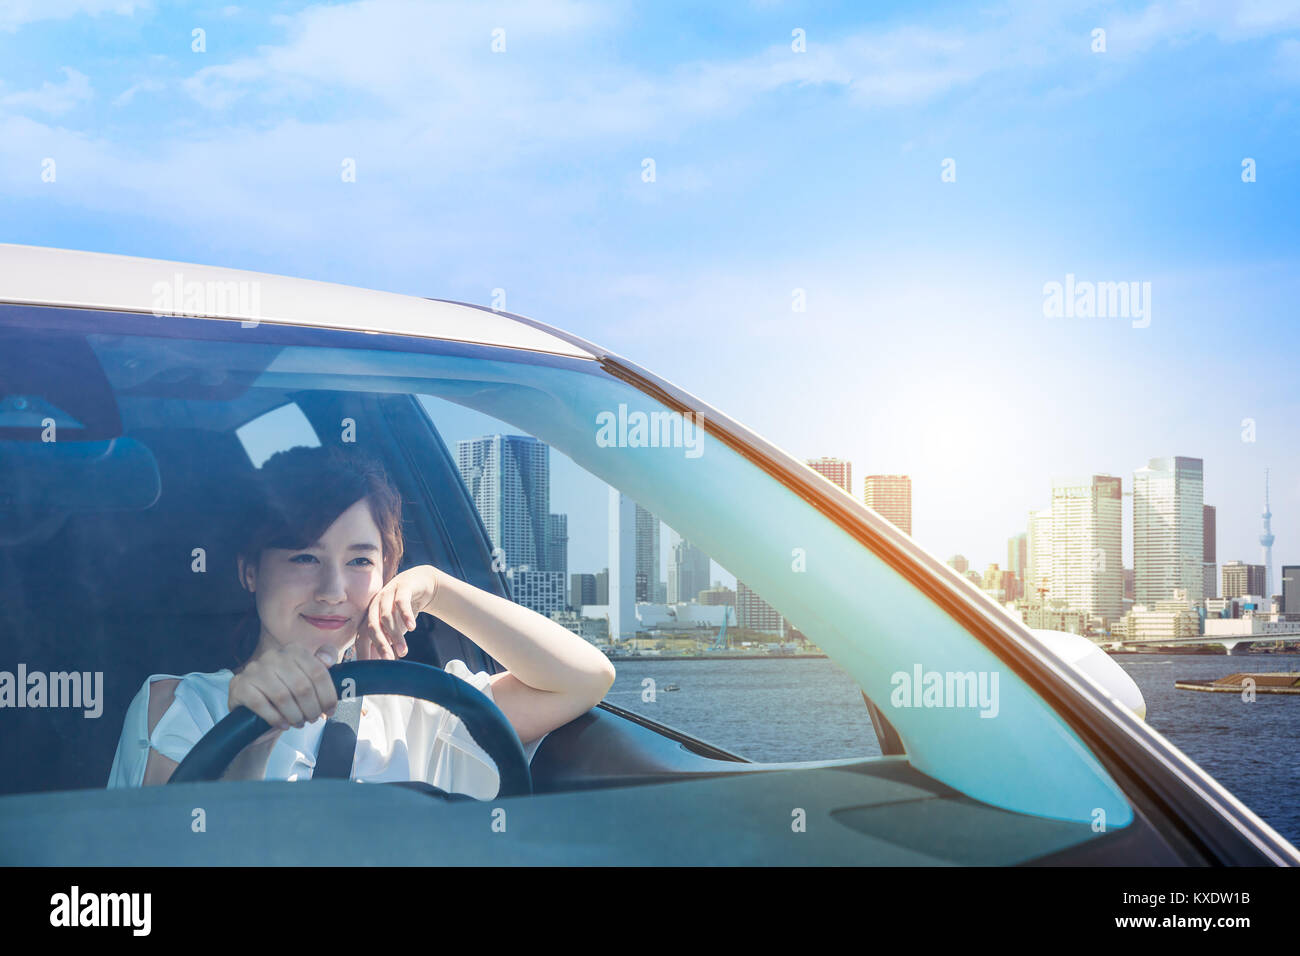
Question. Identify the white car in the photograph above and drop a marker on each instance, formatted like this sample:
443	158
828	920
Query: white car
137	395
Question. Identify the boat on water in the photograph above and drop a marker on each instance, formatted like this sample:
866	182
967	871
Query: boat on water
168	383
1266	682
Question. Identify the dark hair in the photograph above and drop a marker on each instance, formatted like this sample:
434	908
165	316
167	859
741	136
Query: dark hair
298	493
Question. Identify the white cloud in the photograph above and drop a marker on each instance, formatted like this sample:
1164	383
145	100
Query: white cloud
53	98
144	86
16	13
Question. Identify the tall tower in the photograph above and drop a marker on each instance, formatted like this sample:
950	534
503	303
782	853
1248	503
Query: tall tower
1038	573
647	555
621	589
1169	529
1087	565
688	573
508	476
1266	545
1209	553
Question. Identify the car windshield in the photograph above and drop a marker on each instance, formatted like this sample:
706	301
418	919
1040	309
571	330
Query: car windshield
124	440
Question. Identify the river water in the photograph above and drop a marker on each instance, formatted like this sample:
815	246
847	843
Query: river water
809	709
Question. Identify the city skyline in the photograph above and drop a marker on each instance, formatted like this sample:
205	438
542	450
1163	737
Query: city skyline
571	488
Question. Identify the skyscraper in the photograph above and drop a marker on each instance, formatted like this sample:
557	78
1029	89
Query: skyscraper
647	555
582	590
840	472
1291	591
1039	562
621	590
891	497
508	476
509	479
1168	529
557	543
1018	561
1210	575
1087	560
688	572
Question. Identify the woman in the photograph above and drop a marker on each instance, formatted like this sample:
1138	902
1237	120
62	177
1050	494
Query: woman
321	563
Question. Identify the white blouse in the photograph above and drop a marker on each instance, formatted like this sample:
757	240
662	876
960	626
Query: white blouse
398	738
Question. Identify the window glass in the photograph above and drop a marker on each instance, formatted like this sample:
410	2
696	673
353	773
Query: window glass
536	438
696	660
277	430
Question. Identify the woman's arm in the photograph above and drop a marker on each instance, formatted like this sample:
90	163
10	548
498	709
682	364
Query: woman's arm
249	764
539	652
552	675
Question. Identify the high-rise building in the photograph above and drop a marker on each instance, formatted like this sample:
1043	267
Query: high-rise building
1087	538
959	562
688	573
623	526
508	476
840	472
1209	573
557	543
891	497
647	555
1168	529
1291	591
755	613
542	591
602	587
582	590
1038	578
1266	546
1240	579
1018	560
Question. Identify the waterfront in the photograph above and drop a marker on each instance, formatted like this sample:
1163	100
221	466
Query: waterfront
808	709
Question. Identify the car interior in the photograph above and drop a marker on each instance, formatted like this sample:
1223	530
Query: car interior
112	585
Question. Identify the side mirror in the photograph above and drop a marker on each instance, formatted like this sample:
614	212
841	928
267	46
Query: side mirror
1088	658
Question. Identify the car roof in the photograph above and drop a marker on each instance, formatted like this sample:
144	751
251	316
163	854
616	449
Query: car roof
36	275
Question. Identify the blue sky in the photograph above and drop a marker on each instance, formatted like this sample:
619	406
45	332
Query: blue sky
924	347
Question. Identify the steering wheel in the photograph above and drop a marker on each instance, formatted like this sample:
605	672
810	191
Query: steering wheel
487	725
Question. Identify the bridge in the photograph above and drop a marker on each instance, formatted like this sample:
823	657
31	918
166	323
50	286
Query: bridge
1229	641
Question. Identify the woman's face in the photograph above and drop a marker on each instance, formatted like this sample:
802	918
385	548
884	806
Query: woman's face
316	596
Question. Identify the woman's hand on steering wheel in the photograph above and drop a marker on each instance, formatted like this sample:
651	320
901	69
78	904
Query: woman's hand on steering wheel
392	612
286	686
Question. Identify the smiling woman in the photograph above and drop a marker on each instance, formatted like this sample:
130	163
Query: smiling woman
321	562
303	492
